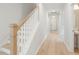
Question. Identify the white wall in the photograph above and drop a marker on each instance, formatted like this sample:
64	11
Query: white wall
68	23
61	25
26	8
11	13
41	32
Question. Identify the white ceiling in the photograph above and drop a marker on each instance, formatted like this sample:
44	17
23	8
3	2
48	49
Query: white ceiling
54	6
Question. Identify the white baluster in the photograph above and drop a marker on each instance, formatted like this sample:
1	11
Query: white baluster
24	35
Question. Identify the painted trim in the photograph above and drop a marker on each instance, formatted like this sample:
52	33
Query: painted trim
70	50
32	37
41	43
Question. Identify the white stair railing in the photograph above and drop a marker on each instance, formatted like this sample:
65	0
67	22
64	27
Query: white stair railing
23	33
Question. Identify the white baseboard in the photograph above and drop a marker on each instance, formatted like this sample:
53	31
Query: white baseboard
70	50
41	43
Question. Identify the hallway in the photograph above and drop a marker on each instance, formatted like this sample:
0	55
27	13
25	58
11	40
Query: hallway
53	46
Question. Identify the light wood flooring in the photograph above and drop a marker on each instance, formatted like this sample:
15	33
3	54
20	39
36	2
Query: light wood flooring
53	46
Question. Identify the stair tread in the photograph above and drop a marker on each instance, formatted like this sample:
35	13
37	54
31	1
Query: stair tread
3	53
7	46
4	50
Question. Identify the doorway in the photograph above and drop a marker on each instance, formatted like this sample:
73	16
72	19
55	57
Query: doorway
53	21
76	28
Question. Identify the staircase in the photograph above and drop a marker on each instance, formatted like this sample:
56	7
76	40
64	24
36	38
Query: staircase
5	49
22	35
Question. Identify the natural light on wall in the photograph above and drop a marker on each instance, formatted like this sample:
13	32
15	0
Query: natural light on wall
76	6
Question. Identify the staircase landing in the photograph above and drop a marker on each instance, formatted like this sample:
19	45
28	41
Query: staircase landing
5	49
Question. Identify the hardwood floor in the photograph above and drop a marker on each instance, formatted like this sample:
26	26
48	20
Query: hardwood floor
53	46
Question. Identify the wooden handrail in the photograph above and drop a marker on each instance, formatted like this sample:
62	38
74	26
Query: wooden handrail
20	23
13	49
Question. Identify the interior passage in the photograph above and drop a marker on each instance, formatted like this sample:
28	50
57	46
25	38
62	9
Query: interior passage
53	46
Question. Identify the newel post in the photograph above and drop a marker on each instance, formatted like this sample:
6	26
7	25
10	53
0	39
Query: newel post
13	49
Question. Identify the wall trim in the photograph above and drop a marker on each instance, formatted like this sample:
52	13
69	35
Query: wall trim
32	37
41	43
67	46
